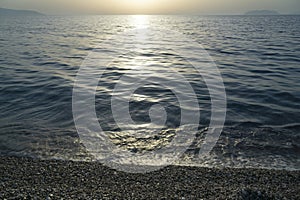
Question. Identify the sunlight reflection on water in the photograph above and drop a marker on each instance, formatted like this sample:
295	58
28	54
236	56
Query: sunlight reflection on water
41	56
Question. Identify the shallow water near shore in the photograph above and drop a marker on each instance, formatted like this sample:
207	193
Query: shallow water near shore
257	56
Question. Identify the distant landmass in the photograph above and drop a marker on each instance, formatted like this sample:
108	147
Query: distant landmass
11	12
262	12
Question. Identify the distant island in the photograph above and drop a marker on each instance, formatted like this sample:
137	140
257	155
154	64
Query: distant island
11	12
262	12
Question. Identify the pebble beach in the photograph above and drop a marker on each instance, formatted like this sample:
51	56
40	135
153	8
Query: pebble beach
27	178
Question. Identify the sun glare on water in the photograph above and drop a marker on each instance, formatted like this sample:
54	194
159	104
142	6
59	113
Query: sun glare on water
140	21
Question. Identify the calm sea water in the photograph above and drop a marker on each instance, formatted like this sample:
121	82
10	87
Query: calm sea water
257	56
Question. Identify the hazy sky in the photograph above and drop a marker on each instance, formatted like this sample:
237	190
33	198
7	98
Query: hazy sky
153	6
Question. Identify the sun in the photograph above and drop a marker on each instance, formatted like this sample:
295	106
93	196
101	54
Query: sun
141	3
136	6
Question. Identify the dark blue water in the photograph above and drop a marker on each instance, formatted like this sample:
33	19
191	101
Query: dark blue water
258	58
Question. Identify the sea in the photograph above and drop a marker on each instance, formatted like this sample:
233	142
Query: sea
257	59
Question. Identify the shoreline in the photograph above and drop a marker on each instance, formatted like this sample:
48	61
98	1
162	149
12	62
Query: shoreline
55	179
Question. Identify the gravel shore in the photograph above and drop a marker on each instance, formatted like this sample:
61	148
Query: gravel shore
24	178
